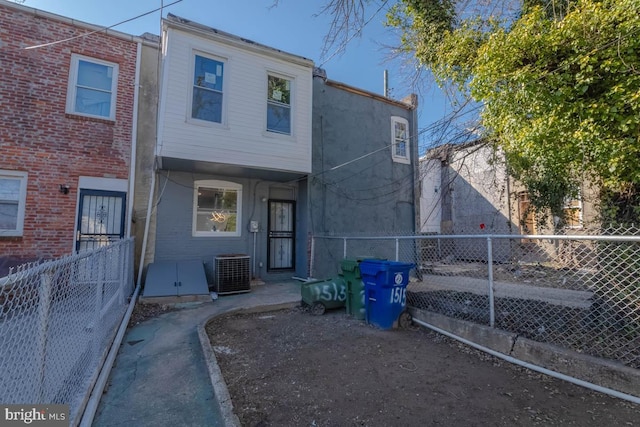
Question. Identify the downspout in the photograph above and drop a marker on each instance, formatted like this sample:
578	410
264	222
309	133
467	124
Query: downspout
134	141
146	226
416	166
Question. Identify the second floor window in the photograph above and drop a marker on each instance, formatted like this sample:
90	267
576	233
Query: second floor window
92	87
400	140
279	105
206	103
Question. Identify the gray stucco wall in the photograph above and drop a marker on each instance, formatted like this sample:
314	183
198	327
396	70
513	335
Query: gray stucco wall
371	194
174	239
145	150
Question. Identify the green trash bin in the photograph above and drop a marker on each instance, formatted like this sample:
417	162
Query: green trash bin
355	286
321	295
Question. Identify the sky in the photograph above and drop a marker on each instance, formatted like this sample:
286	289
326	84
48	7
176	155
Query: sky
294	26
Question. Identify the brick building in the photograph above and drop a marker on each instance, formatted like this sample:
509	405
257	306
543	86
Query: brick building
68	96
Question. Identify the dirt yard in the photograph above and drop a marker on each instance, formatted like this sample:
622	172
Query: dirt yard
290	368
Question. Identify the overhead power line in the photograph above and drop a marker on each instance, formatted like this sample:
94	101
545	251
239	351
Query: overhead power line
102	29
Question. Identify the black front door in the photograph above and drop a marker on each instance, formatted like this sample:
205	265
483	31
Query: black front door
281	247
101	217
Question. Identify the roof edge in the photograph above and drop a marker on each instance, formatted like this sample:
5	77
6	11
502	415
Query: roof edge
410	102
232	39
76	23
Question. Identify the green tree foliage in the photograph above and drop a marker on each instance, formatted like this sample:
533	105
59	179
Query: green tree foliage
559	83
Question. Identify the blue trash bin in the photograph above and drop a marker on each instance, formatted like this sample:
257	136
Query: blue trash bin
385	284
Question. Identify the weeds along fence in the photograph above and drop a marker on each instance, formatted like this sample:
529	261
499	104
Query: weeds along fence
57	322
578	292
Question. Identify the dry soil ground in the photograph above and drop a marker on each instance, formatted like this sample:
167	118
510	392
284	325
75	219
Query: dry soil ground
290	368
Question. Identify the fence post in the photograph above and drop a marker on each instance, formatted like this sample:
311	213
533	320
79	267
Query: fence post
100	280
122	260
397	249
313	254
492	314
44	312
131	253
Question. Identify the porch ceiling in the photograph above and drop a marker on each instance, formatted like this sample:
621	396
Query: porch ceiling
195	166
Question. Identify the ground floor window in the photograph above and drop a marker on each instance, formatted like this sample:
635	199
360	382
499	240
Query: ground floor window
13	195
217	208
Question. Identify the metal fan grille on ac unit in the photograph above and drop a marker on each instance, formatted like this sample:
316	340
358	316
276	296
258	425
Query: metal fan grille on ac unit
232	274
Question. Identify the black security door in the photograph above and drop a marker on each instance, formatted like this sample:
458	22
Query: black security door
100	218
281	248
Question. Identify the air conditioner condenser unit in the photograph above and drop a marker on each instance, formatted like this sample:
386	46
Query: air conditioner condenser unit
232	274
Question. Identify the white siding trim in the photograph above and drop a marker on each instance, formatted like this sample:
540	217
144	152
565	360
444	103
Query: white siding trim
105	184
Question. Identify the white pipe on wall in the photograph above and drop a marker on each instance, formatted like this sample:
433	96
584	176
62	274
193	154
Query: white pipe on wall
536	368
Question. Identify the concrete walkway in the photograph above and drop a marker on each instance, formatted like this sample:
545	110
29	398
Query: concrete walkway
160	376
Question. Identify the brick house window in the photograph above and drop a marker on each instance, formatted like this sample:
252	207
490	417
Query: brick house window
207	95
92	87
400	148
13	195
217	208
278	105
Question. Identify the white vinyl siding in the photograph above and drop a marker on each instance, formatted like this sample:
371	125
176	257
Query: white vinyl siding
242	138
13	195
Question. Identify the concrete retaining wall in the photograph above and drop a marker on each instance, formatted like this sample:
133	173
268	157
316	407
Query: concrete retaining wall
601	372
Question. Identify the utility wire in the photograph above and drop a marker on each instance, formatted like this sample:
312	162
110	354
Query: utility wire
100	30
356	33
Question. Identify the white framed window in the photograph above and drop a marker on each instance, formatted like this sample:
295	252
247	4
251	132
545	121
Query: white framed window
92	87
13	197
400	144
217	208
207	94
279	104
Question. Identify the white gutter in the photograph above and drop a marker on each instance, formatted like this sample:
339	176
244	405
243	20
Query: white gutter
536	368
134	141
146	227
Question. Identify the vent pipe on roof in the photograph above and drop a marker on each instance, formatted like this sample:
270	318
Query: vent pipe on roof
386	83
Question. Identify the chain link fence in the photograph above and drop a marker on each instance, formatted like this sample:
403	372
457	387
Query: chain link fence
57	321
578	292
